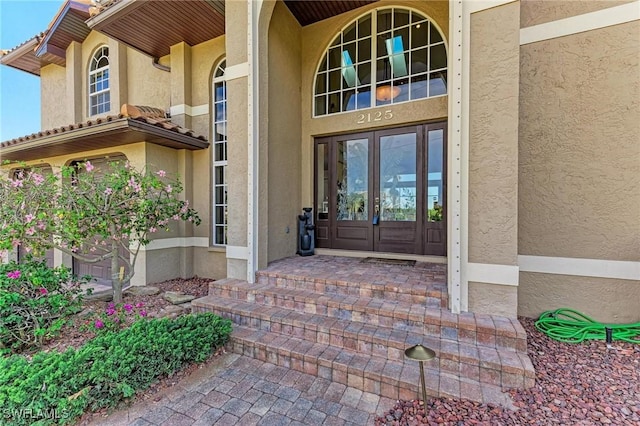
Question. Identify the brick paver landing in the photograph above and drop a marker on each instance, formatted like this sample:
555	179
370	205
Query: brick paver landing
238	390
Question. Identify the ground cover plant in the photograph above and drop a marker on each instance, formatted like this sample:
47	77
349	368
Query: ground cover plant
90	213
35	302
112	367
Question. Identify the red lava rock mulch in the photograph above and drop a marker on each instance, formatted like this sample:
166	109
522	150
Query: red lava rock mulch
576	384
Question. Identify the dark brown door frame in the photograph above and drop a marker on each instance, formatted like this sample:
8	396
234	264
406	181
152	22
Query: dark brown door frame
430	237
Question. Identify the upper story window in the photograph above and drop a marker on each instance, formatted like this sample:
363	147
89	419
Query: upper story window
99	96
219	198
385	57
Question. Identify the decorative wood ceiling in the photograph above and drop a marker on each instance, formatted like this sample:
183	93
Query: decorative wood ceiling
311	11
153	26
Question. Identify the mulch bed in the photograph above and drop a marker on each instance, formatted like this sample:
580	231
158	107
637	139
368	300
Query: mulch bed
576	384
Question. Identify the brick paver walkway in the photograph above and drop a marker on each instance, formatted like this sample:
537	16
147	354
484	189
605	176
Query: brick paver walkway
238	390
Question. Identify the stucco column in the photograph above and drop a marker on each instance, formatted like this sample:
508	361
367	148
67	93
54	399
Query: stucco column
75	78
181	83
118	69
493	102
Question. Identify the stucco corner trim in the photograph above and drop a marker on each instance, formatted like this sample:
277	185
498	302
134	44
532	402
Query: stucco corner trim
599	268
189	110
236	71
493	273
237	252
577	24
167	243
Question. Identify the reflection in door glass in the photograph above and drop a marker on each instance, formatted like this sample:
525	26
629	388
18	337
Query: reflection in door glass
435	187
398	177
353	180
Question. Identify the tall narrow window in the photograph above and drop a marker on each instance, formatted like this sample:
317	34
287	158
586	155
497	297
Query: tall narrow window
99	96
387	56
219	210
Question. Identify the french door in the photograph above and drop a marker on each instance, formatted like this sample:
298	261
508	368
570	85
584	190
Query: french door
382	191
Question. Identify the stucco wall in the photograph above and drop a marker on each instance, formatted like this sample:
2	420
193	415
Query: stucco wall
579	153
493	299
53	97
605	300
284	134
146	84
534	12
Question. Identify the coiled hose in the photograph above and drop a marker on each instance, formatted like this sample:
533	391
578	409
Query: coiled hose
568	325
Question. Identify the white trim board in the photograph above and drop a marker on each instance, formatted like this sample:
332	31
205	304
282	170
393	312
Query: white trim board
493	274
237	252
615	269
616	15
192	111
167	243
236	71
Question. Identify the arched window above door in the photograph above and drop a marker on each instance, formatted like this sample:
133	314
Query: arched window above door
387	56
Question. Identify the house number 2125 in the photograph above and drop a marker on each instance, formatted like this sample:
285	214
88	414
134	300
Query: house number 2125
375	116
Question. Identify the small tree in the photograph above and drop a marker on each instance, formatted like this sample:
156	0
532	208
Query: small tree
91	214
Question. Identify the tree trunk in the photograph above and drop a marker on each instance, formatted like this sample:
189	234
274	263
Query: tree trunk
116	284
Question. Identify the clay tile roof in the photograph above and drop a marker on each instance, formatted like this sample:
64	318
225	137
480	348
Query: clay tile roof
101	6
143	114
36	37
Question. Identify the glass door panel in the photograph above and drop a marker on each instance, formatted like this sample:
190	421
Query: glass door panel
352	172
435	178
398	172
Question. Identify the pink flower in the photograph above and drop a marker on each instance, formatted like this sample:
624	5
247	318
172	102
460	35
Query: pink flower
143	313
15	243
161	173
28	218
128	307
43	291
41	225
89	166
92	249
14	275
38	179
152	229
99	324
110	311
139	305
30	231
16	183
168	188
108	191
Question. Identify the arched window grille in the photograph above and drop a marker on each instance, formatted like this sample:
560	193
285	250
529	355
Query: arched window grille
387	56
99	93
219	207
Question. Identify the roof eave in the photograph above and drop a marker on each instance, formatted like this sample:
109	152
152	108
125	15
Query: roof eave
124	6
10	59
38	147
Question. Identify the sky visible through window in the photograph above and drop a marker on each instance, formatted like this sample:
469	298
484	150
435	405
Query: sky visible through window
20	91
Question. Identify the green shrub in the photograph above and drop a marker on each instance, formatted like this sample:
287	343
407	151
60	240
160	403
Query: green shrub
34	302
106	370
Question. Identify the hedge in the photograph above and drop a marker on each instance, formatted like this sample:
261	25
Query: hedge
57	387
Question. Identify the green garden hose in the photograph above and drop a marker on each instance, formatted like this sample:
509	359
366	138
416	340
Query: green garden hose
567	325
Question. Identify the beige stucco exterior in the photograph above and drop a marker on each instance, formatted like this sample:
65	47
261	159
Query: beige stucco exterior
550	151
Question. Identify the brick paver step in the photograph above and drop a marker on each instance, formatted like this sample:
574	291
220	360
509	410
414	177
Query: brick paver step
363	331
383	284
484	330
391	378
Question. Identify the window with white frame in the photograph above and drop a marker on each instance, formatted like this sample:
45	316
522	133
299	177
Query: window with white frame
219	207
387	56
99	94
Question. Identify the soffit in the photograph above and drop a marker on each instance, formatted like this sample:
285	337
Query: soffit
23	57
66	27
104	132
152	27
311	11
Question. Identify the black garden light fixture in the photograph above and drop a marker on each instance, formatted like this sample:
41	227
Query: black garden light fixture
421	353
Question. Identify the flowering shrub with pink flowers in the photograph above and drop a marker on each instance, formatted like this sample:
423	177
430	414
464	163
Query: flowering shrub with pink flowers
35	301
90	213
